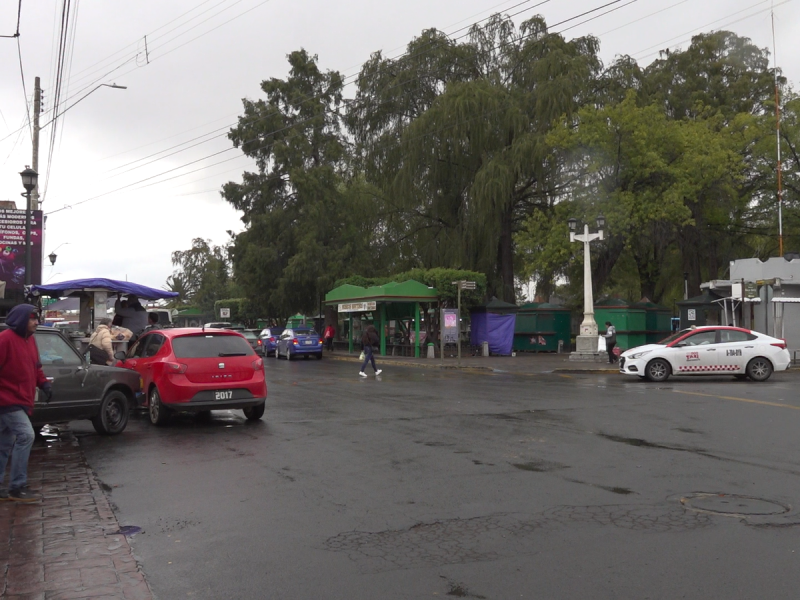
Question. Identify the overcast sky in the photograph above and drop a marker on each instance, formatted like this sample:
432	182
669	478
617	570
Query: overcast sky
204	57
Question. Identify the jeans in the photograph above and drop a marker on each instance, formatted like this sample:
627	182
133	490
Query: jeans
368	357
612	358
15	432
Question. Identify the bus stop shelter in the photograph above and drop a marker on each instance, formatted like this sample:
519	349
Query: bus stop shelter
392	301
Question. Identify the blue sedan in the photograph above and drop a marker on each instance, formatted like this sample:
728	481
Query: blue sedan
299	342
269	339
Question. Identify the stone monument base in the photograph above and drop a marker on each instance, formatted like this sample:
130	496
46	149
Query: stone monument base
586	349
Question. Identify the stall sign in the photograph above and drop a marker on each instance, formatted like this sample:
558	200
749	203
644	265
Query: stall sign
358	306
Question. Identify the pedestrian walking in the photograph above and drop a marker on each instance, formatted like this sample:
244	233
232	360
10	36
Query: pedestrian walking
370	341
20	374
611	341
328	335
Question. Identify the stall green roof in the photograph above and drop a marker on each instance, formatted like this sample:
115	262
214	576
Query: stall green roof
407	291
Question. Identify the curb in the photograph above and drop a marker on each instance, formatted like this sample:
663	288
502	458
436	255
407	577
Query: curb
438	365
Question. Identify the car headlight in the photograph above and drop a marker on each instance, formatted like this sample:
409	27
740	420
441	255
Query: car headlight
639	354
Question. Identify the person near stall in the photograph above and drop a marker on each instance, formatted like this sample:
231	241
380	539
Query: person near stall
134	316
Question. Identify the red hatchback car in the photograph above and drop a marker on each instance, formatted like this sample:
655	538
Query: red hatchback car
197	370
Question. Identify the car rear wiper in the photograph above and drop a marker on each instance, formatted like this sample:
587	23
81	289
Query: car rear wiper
233	353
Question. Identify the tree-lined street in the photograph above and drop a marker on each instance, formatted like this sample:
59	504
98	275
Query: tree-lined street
428	483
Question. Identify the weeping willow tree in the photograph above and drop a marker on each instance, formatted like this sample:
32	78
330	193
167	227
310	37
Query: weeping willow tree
459	138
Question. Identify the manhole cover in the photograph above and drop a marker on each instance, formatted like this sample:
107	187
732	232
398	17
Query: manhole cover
733	504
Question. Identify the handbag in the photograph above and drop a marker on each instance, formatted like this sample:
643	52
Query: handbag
362	356
97	356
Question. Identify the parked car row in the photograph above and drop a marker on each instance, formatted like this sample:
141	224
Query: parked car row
166	371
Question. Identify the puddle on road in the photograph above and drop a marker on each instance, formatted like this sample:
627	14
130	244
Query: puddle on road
539	466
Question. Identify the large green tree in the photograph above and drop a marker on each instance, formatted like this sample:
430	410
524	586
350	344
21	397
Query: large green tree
458	137
202	274
307	219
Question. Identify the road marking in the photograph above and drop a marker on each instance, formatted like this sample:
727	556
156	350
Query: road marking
735	399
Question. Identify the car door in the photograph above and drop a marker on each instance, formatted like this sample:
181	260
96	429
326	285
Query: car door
144	356
736	348
697	353
68	373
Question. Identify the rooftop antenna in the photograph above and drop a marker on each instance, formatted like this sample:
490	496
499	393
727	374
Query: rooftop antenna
778	137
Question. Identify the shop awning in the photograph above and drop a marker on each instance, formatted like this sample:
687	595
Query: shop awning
67	288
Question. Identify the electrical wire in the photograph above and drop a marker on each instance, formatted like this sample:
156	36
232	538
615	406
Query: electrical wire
24	88
215	154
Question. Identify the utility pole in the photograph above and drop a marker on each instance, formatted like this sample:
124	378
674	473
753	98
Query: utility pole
37	108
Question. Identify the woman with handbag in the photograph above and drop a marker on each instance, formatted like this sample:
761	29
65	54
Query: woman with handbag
100	348
370	340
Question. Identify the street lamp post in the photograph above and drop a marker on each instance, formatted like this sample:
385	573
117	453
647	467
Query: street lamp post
29	180
587	340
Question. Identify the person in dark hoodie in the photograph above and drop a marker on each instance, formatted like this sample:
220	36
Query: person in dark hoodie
20	374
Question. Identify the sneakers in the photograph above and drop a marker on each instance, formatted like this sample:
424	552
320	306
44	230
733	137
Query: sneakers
362	373
23	495
378	372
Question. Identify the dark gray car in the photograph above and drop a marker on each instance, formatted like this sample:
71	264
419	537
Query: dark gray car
81	390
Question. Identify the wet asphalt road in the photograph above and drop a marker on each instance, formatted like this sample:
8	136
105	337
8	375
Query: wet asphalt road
430	484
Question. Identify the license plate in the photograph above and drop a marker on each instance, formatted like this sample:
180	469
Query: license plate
223	395
308	342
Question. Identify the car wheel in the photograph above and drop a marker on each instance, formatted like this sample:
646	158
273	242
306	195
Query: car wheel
113	416
288	353
158	412
276	354
254	413
759	369
657	370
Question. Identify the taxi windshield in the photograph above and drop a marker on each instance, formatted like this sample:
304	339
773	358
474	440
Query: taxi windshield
673	337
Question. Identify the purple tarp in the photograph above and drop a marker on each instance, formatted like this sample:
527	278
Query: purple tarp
65	288
498	330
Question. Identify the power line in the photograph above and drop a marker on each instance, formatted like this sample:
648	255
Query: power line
150	178
24	88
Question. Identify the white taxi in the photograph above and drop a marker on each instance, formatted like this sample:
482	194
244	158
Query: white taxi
708	351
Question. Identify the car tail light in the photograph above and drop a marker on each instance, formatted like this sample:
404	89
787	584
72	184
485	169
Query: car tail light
257	364
175	367
320	341
781	344
272	339
295	342
260	342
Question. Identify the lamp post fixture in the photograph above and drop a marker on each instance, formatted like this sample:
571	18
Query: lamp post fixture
587	341
29	180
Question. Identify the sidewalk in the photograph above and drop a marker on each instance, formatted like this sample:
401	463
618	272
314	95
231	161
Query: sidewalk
523	362
65	547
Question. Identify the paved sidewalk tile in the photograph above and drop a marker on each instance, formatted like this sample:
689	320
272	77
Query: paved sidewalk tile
66	546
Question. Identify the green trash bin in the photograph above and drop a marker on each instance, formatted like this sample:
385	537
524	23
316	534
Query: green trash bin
630	321
542	327
658	320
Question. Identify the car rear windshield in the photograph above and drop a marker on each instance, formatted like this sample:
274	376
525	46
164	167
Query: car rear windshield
208	346
310	332
250	335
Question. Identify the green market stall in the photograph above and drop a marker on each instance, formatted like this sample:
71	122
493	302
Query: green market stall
393	301
542	327
629	320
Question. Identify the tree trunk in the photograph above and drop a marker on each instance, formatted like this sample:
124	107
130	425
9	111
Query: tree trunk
506	257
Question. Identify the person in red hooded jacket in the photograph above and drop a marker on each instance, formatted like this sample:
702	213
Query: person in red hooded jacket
20	374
